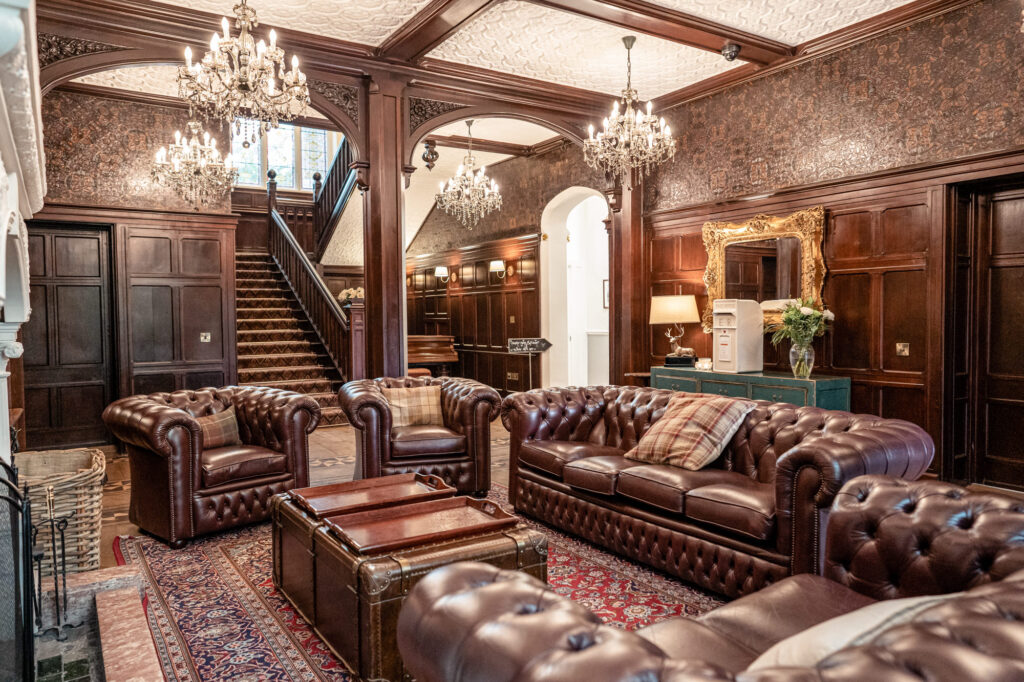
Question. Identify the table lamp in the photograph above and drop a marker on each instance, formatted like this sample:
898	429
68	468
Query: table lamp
676	311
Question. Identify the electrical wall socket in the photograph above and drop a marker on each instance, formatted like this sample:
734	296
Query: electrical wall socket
903	350
512	376
205	337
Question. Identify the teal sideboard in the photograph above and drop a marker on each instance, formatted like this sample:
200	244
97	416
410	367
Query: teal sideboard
831	393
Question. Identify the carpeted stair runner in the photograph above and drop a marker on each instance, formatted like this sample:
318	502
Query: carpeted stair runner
276	344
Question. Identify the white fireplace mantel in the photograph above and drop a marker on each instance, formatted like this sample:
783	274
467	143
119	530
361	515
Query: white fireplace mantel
22	180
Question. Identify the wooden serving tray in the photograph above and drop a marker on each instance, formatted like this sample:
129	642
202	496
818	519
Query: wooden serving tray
370	493
384	530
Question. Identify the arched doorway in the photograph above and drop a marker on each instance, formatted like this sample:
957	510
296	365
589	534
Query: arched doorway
574	267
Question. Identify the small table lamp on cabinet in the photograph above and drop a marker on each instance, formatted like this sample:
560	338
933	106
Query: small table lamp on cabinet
676	311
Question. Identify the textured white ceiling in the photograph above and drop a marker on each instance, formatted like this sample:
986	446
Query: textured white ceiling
551	45
151	79
788	21
359	21
509	130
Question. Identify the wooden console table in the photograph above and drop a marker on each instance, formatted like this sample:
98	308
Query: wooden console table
829	392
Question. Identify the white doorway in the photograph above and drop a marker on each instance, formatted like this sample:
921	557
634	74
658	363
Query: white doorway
574	274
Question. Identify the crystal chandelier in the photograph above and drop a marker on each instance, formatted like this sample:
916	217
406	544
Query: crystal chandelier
469	195
194	167
240	78
631	139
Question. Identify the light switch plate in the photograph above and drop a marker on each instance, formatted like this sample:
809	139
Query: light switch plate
205	337
903	350
511	319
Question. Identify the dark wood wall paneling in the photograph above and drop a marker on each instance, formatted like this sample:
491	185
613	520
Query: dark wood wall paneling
481	311
173	282
250	203
341	277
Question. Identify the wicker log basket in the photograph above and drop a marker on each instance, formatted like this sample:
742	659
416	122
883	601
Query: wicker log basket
77	478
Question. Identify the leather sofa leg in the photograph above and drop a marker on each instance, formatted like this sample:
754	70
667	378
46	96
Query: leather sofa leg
480	494
177	544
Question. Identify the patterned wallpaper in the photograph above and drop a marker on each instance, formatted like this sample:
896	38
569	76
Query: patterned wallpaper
346	245
527	185
938	90
99	152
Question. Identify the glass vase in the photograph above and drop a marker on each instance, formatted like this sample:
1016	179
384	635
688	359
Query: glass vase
801	359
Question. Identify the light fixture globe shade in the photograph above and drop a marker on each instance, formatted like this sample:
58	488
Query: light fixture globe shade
680	309
441	271
497	266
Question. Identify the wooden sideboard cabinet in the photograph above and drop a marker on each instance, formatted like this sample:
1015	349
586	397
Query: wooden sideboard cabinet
829	392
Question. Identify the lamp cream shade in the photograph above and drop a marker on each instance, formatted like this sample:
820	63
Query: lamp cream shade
674	309
441	271
497	266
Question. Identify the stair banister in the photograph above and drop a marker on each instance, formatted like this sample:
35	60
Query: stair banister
321	307
331	195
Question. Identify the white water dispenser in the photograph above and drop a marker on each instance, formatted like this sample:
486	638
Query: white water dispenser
738	335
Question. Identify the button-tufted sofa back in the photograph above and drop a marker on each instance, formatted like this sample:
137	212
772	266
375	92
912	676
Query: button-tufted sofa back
619	416
890	538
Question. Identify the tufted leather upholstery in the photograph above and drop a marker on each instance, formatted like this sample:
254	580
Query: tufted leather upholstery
180	492
462	456
471	622
768	494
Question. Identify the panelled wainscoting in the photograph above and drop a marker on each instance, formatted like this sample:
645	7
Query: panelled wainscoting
479	309
250	203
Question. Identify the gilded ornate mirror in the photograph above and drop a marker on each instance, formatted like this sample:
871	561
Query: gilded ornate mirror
764	259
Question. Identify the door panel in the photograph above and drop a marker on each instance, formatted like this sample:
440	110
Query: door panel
69	368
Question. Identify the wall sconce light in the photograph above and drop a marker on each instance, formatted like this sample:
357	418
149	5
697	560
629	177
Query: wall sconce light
441	272
499	269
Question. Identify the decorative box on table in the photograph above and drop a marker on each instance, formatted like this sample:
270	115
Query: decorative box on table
829	392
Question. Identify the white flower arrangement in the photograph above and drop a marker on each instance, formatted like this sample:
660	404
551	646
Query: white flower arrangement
346	294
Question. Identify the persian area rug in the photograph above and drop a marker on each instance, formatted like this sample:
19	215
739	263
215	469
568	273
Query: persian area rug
215	615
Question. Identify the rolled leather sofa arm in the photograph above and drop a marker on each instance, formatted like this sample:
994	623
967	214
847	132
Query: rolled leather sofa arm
461	398
811	473
363	401
141	422
472	622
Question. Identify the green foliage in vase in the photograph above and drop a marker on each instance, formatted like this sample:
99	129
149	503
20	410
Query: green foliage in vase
801	322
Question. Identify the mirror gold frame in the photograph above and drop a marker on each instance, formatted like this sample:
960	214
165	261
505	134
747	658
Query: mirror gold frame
807	225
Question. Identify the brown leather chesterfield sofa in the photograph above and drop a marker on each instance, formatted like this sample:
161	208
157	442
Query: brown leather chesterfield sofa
750	518
887	539
459	452
179	490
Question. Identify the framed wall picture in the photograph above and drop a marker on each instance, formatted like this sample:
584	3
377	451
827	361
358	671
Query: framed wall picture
604	293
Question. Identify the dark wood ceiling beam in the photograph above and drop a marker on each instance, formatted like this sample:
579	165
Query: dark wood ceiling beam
643	17
481	145
429	28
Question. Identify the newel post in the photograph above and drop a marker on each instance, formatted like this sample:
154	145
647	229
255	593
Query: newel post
317	185
271	191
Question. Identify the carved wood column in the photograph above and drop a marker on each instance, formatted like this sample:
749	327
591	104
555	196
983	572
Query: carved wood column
383	240
628	283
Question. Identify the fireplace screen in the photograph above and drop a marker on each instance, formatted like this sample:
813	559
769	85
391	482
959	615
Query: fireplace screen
16	610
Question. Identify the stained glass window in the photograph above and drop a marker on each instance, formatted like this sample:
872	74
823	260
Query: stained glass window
281	154
248	158
314	155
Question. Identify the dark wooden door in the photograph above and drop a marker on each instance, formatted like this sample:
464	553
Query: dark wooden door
998	325
69	364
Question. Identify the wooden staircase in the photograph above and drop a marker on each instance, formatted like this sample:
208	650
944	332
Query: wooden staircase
277	345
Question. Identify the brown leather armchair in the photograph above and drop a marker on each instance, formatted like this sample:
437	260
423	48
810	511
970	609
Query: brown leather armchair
459	452
887	538
179	490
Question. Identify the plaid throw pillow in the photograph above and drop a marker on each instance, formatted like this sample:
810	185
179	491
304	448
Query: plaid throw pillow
693	431
220	429
419	406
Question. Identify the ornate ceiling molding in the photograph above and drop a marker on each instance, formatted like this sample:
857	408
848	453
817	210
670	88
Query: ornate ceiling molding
422	110
345	97
54	48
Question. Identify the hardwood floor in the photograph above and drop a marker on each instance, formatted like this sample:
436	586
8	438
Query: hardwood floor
332	459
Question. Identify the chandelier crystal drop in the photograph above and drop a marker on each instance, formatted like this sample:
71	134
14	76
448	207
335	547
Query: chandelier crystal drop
193	166
242	78
632	139
469	195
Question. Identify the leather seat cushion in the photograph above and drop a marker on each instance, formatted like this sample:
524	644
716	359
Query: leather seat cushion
760	620
596	474
687	639
238	462
551	456
418	441
665	486
744	506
